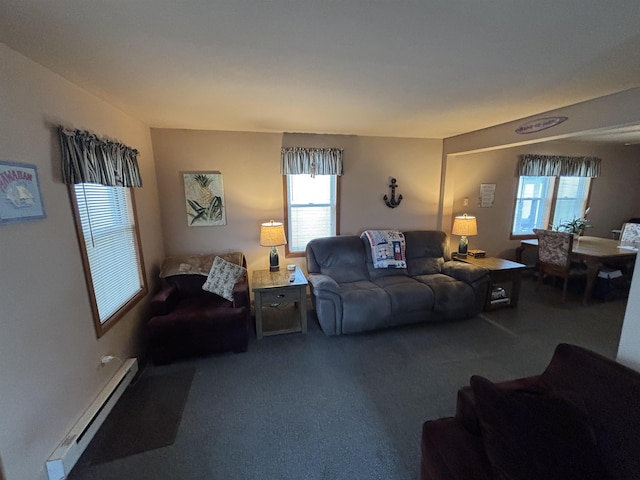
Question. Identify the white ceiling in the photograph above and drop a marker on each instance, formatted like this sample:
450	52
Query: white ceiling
370	67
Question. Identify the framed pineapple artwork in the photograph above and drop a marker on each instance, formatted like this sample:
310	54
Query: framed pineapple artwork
204	198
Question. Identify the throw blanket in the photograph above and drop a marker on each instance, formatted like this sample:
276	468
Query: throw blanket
387	248
195	264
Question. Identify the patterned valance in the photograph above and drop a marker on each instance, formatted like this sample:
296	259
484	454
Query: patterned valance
311	161
87	158
532	165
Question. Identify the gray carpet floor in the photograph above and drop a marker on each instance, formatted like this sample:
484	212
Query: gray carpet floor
351	407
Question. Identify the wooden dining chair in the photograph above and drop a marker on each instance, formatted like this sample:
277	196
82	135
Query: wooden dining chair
554	258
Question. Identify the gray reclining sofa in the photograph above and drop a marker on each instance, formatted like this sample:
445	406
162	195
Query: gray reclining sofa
351	296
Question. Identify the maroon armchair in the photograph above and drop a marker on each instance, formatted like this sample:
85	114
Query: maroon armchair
188	321
579	419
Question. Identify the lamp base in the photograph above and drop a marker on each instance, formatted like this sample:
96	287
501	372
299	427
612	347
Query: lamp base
462	247
274	261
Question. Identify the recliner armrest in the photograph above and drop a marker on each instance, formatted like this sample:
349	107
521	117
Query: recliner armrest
320	282
465	272
164	300
241	296
450	452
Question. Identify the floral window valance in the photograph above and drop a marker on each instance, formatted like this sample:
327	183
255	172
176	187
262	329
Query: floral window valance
311	161
532	165
87	158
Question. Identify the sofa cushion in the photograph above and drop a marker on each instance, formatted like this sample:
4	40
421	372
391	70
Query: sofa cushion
365	306
466	405
222	278
187	285
341	258
200	305
465	272
532	435
406	294
451	296
427	250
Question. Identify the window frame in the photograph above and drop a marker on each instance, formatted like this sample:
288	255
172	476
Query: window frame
285	192
552	207
102	327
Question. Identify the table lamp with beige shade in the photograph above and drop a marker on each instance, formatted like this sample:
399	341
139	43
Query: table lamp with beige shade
272	235
465	226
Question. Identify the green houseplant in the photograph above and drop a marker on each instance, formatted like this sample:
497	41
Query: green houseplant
575	226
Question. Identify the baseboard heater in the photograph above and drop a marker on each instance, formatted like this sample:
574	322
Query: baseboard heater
68	452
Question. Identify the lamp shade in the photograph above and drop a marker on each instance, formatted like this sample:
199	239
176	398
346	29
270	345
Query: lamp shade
465	225
272	234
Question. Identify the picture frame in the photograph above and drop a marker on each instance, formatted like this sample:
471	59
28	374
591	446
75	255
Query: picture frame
204	199
20	195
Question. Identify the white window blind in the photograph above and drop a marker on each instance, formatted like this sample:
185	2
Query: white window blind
312	205
109	232
533	204
571	199
544	201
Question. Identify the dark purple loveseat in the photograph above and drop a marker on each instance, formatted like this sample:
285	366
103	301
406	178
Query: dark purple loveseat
188	321
579	419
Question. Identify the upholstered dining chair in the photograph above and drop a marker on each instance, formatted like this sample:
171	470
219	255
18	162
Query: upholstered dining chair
629	238
554	258
630	234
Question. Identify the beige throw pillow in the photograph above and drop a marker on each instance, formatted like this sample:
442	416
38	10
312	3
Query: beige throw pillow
222	278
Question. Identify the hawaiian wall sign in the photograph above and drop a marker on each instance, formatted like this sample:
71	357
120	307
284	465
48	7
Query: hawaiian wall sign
540	124
20	198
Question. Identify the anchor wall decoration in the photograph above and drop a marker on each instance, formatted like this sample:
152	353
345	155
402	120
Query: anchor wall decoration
392	202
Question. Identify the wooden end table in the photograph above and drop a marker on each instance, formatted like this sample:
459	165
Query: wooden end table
503	273
280	304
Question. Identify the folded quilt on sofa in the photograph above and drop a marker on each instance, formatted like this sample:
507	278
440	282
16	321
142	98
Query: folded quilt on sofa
387	248
196	264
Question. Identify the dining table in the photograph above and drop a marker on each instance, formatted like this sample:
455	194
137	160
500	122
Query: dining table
595	252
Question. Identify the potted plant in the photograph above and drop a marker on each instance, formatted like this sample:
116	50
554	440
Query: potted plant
575	226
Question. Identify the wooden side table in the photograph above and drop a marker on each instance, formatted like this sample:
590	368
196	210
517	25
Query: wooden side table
280	304
503	274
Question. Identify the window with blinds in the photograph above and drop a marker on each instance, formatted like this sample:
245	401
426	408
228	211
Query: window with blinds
543	202
106	222
311	207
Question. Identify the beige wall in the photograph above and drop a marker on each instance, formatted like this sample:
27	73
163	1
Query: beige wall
614	194
49	353
250	164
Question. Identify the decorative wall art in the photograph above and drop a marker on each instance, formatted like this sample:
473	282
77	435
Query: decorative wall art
539	125
204	197
392	202
20	198
487	195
